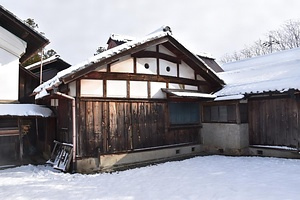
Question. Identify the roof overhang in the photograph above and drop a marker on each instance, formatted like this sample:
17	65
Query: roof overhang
25	110
35	41
55	59
230	97
188	93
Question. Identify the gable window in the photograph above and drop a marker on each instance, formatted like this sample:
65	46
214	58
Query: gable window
184	113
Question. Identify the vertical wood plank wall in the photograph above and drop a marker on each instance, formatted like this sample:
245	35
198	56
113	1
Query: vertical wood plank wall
111	127
274	122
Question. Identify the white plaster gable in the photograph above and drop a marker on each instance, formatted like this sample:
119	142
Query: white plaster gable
12	43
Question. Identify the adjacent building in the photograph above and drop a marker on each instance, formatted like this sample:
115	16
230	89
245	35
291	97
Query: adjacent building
22	122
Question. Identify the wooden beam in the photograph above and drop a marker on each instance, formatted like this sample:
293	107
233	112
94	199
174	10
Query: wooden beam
157	61
134	66
128	89
142	77
153	54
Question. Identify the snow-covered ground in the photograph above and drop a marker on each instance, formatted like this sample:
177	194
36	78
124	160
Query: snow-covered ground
209	177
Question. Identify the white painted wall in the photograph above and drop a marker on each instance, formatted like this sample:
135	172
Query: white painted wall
163	64
152	48
91	88
116	88
138	89
9	77
190	87
140	66
176	86
11	43
11	49
72	89
102	68
156	92
124	65
185	71
164	50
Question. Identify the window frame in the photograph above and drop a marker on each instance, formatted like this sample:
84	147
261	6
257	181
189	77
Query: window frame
233	114
196	122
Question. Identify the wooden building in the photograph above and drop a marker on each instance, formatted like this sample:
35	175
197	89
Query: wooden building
19	133
50	67
261	102
137	102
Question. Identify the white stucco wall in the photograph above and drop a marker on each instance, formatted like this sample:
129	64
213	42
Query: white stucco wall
124	65
138	89
140	66
91	88
116	88
9	77
156	92
163	64
11	49
186	71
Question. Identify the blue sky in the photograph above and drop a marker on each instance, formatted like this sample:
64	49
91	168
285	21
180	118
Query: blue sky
76	28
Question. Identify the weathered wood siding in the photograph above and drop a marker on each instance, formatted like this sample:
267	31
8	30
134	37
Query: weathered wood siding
111	127
274	122
64	121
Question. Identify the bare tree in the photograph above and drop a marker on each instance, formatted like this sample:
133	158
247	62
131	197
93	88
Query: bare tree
286	37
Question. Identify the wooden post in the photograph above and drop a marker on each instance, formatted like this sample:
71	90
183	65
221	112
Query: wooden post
157	60
20	139
37	132
238	113
41	67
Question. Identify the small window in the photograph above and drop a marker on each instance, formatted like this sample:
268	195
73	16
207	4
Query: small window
222	113
168	69
146	65
184	113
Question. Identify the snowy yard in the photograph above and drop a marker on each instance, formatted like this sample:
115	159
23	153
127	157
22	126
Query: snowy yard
209	177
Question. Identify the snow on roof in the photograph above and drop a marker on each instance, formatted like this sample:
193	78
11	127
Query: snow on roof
279	71
206	55
230	97
32	110
41	90
188	93
50	59
121	38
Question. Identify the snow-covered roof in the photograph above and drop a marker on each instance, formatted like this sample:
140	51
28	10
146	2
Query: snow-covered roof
121	38
48	60
188	93
278	72
230	97
31	110
41	90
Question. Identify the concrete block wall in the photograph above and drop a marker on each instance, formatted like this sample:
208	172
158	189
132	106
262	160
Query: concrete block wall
224	138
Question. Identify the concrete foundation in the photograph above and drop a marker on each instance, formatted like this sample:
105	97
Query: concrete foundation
111	162
223	138
273	152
